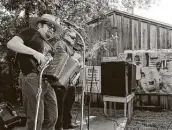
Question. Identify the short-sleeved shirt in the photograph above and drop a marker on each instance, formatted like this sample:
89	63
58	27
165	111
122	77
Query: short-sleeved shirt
32	39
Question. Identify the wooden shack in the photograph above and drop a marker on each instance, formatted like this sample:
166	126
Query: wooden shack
134	33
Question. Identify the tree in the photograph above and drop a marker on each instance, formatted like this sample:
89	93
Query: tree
78	11
129	5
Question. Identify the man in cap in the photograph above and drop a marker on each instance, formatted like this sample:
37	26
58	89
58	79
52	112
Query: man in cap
29	45
65	95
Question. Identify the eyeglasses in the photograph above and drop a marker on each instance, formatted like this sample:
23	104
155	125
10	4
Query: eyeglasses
73	37
50	26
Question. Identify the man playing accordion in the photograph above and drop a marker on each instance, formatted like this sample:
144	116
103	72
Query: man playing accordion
31	45
65	94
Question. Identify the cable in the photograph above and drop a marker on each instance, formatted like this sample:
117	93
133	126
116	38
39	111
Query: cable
90	97
78	105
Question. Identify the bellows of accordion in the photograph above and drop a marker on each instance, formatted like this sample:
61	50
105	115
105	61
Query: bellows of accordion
56	66
62	68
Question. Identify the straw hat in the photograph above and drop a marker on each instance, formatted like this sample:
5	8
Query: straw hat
46	18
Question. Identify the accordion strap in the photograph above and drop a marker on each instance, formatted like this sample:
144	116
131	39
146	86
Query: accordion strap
47	42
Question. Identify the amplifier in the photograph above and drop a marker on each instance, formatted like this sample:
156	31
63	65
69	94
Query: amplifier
117	78
8	116
132	77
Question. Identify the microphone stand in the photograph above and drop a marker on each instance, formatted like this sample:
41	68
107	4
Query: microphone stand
42	68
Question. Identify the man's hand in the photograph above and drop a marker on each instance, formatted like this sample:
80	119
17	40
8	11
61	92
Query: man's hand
40	58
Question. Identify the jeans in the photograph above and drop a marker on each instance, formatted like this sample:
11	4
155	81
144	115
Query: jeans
65	100
48	112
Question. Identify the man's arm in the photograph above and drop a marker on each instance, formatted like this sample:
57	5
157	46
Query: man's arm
17	44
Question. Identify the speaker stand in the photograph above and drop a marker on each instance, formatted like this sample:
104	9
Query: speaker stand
128	104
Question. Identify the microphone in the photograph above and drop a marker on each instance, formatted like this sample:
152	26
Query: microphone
49	58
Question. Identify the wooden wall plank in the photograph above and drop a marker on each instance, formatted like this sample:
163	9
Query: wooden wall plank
97	32
158	37
99	26
107	36
163	38
110	35
119	44
122	34
168	45
135	35
153	37
144	35
100	30
126	33
103	29
114	51
94	33
170	38
165	35
139	32
130	35
148	40
89	32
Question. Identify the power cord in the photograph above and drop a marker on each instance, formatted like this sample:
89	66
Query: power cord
90	97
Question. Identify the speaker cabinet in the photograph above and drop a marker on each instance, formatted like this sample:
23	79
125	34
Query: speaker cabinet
131	77
117	78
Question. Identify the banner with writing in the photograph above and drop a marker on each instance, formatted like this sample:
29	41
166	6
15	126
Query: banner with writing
93	79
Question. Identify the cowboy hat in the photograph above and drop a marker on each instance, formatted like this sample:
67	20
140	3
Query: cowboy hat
46	18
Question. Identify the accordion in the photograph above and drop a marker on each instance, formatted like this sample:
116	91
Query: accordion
70	70
61	69
56	67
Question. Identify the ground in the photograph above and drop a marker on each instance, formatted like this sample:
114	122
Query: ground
141	120
97	119
149	120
